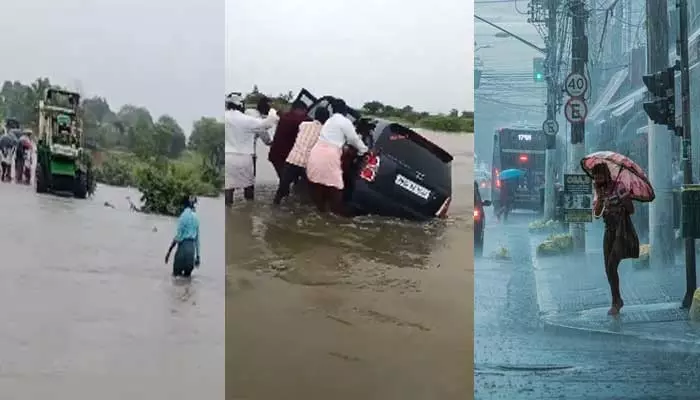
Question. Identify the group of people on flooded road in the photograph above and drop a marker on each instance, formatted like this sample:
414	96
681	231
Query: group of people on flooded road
16	149
302	149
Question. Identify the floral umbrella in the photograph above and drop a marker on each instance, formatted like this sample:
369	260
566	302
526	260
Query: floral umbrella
623	170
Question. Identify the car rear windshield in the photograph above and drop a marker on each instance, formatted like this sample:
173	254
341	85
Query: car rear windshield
415	152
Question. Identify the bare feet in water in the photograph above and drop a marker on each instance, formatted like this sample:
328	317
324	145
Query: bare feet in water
616	307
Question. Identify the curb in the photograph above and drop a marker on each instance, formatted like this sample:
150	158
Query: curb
691	345
552	325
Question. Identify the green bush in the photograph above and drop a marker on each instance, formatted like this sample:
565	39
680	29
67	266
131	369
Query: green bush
501	254
643	261
446	123
556	245
542	226
162	186
117	169
162	182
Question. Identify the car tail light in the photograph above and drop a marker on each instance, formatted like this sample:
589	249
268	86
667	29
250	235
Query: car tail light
369	171
523	158
477	215
442	211
498	183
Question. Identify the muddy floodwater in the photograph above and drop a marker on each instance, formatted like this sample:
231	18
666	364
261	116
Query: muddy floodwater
89	309
369	308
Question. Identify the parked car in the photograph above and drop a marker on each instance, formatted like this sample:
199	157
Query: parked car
403	175
479	220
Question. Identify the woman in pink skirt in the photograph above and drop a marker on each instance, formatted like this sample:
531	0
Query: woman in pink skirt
323	169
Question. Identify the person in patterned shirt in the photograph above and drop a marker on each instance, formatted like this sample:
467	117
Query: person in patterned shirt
295	165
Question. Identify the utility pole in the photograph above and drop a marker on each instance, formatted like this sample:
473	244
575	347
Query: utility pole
553	91
660	148
690	273
579	58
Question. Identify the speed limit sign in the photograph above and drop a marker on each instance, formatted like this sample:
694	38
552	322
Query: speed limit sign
576	85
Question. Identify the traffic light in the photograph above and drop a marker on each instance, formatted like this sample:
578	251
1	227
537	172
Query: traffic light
662	108
538	69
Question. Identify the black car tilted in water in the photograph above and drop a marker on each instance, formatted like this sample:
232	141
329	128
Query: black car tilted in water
479	221
403	175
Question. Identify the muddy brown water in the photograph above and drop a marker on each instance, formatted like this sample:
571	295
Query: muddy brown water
89	309
370	308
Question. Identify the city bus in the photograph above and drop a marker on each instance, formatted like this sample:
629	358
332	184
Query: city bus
520	147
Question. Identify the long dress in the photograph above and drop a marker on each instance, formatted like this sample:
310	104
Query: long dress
620	240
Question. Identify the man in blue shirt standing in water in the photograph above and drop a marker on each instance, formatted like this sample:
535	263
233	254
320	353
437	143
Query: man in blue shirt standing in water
187	241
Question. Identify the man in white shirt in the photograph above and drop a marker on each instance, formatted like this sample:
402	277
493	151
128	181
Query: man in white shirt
241	133
324	165
261	111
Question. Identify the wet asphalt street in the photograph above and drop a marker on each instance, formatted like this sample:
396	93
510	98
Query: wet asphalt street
370	308
90	310
517	359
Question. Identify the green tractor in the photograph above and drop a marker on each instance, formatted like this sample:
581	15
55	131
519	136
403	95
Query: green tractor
63	166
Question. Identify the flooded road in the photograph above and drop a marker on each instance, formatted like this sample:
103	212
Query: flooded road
90	310
370	308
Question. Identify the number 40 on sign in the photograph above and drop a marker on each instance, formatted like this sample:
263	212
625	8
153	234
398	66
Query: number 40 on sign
576	85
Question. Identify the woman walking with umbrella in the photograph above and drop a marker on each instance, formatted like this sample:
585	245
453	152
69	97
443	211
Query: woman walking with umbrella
617	181
509	182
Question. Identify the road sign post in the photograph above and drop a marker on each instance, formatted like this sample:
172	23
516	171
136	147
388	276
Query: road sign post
576	110
576	85
578	198
550	127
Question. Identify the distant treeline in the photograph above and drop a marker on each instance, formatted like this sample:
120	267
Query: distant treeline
454	121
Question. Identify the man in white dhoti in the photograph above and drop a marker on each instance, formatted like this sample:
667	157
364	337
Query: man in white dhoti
241	133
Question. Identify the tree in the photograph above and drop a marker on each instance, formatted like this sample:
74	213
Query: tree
97	109
169	136
130	115
207	139
373	107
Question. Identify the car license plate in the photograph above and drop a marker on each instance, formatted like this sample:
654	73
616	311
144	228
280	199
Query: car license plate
412	187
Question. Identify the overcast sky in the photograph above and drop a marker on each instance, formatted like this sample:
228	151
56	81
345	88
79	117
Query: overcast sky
166	55
400	52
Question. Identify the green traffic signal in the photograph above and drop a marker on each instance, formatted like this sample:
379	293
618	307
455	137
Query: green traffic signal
538	69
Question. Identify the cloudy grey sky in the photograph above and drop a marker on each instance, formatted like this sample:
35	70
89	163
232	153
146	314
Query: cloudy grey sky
166	55
401	52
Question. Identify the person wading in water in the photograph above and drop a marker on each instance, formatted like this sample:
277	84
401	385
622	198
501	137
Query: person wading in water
613	203
187	241
241	131
324	168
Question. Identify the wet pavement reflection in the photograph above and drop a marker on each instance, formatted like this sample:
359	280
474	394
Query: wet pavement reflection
90	310
320	307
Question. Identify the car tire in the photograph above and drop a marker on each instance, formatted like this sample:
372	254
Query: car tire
479	246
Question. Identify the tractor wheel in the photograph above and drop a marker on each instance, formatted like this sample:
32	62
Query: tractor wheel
81	186
40	178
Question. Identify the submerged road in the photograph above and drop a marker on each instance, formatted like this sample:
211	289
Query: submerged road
517	359
324	308
90	310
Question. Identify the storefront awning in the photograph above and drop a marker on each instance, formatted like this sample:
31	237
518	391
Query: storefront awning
625	104
611	89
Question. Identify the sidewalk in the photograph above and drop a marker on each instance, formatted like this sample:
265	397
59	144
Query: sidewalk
573	294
